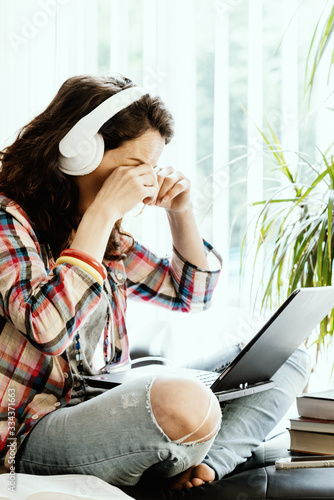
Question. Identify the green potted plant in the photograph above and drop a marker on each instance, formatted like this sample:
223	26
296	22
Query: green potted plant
294	228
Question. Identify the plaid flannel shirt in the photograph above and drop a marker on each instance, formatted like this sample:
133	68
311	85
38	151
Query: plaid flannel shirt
42	305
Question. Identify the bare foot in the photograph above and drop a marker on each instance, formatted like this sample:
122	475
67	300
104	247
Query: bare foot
195	476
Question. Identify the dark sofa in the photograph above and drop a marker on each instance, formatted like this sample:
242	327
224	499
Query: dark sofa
255	479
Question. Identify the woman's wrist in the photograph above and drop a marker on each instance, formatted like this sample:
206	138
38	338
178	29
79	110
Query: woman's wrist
186	237
93	233
184	212
105	215
179	215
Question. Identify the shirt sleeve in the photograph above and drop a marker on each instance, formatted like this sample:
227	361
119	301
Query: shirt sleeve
46	306
173	282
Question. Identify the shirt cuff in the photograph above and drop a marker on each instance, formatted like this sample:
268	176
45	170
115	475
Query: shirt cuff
214	259
195	285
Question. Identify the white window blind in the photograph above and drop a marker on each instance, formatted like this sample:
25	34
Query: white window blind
208	60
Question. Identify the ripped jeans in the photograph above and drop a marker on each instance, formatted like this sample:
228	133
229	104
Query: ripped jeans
115	437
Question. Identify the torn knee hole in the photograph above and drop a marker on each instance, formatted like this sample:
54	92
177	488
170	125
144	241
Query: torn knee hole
185	410
197	435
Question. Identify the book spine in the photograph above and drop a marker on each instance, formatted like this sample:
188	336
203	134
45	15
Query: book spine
311	442
314	409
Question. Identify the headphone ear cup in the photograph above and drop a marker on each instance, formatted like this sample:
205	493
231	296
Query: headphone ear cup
89	155
81	149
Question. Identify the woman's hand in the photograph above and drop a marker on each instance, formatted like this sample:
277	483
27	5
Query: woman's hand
120	192
174	196
125	187
173	190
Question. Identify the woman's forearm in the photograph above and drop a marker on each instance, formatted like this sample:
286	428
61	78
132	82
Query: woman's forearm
186	237
93	234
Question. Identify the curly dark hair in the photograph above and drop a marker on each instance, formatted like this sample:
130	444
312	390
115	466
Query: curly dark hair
29	172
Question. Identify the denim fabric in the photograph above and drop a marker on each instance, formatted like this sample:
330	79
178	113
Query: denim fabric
247	421
114	436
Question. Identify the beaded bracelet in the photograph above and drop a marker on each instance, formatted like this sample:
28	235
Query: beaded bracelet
85	257
82	265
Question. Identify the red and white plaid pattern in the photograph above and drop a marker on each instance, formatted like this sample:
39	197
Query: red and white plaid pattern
42	305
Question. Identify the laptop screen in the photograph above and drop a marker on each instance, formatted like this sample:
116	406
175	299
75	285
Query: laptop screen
268	350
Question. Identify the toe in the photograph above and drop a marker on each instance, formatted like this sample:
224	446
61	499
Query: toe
204	472
196	481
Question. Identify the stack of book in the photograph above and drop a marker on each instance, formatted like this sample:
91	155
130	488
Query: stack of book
313	431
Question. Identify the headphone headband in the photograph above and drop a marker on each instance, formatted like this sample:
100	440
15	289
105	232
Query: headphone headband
82	148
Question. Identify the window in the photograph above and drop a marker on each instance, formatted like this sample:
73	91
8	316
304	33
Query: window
222	67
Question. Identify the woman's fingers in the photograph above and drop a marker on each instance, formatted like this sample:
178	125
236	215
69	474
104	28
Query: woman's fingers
125	187
163	173
172	185
166	181
149	180
174	191
149	195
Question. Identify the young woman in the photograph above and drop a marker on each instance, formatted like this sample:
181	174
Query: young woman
67	268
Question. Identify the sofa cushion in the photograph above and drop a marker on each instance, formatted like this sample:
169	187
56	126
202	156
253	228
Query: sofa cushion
255	479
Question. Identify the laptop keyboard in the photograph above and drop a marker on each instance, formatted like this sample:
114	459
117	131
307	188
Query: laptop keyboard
207	378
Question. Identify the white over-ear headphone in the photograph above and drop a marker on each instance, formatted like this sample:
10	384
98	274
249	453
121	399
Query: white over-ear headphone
82	148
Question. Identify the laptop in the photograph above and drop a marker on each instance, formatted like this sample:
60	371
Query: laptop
251	370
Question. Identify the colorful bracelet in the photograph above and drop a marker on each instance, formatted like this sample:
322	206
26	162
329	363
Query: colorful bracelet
82	265
85	257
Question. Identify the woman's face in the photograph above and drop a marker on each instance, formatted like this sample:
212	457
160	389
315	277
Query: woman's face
145	149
